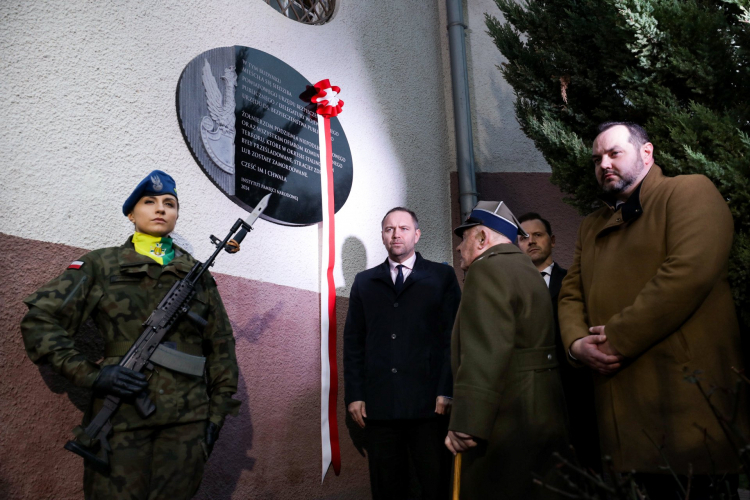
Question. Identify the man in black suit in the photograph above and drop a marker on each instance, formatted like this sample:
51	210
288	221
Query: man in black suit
397	370
577	384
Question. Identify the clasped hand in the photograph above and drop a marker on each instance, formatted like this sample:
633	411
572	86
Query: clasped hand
596	352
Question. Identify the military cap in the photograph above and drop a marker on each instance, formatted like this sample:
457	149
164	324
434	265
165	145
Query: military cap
154	184
495	215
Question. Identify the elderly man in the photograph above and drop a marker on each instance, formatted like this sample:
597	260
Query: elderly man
508	408
646	302
397	363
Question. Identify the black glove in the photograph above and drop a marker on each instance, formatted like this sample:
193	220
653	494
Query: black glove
119	381
212	435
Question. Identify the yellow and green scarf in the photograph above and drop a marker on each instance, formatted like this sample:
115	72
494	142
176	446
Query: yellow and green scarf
159	249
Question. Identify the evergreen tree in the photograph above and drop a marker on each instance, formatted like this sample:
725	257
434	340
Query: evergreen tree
681	68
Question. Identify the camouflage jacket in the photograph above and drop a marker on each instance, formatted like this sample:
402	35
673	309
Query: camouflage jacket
119	288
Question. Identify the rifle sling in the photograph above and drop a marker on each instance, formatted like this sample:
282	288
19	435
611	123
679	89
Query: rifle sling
178	361
119	349
186	358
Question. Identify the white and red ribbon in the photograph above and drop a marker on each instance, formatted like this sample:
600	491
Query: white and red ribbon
329	105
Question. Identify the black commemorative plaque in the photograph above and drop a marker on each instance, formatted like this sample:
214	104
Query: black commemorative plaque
252	130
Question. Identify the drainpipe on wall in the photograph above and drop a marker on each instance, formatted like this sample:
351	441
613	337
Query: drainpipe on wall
467	185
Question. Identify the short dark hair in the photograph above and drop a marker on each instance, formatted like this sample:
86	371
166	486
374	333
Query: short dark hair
401	209
638	134
535	216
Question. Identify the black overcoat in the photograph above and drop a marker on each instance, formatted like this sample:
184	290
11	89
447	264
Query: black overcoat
397	345
579	391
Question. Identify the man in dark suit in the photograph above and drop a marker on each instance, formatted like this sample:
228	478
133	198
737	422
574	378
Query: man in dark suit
397	371
577	384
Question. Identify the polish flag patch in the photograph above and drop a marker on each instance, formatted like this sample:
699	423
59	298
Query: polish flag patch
76	264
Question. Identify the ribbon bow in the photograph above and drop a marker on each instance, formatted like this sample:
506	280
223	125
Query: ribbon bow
327	99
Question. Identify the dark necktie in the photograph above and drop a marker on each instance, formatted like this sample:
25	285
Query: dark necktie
544	277
399	278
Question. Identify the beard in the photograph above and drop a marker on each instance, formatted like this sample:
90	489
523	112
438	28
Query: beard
394	252
624	181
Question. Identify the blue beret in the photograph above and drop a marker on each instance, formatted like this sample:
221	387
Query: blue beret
154	184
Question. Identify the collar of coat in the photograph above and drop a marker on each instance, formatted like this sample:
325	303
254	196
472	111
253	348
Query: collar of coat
633	208
383	273
502	248
132	262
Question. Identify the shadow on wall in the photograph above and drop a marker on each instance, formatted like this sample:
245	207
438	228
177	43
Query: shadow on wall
232	458
353	261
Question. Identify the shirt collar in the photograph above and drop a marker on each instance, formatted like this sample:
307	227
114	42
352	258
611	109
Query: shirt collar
548	269
409	263
631	209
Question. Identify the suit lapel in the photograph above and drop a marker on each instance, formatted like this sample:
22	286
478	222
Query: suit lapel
555	280
383	273
418	273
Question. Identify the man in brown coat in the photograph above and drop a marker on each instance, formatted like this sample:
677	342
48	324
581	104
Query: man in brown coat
508	406
646	302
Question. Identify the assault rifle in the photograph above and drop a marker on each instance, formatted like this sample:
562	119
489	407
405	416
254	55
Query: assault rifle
91	443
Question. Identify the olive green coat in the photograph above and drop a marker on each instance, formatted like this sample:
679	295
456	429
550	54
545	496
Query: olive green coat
507	389
659	285
119	288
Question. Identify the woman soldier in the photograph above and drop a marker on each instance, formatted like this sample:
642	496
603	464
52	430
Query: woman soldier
161	456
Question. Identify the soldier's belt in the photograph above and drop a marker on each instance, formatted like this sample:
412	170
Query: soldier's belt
535	358
177	356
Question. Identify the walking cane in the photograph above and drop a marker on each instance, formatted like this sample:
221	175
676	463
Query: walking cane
456	476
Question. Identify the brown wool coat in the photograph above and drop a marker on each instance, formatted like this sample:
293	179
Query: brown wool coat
659	285
507	390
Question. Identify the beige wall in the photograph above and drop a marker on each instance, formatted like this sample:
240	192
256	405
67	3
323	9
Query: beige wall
499	143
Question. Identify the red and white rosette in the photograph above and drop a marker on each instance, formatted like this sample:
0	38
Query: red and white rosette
329	105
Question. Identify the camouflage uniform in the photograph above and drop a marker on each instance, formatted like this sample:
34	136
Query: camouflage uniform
119	288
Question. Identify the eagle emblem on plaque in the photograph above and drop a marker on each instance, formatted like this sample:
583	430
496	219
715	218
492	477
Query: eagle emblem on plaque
217	129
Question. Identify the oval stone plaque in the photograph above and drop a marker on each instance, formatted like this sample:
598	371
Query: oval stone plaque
246	118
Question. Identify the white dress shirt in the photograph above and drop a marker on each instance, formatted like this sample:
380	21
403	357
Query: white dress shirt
548	276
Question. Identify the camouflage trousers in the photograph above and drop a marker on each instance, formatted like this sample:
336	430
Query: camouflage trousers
149	464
